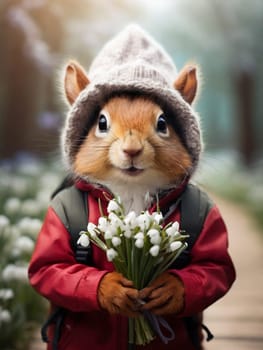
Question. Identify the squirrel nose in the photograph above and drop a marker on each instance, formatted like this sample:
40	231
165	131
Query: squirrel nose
132	145
132	152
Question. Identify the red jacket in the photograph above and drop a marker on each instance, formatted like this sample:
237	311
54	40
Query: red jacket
54	273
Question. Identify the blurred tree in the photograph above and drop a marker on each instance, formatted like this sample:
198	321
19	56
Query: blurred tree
228	37
35	36
242	28
26	62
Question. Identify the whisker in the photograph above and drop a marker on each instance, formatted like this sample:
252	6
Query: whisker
185	170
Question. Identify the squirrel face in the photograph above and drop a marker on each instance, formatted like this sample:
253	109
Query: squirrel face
132	143
131	126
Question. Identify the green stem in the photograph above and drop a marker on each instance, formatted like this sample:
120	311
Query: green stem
143	331
128	256
136	262
149	267
166	263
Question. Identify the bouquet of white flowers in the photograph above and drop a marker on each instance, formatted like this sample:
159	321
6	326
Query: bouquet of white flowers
140	249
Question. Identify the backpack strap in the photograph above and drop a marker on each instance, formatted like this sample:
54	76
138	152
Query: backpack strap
195	205
70	205
68	181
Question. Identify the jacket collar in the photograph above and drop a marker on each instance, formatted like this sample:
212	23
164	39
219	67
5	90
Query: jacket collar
163	199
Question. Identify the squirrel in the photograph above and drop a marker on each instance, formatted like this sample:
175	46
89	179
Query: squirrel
131	131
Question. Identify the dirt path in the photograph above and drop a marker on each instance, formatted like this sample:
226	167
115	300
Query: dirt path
237	320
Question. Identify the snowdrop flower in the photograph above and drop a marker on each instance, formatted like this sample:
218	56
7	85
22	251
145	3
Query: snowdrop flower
30	207
108	234
173	230
103	224
12	206
155	239
111	254
6	294
116	241
175	246
175	225
83	240
143	221
29	226
24	244
152	232
5	316
35	226
154	250
154	235
115	221
14	272
113	206
139	243
139	235
92	229
13	233
131	219
127	232
157	217
114	218
4	223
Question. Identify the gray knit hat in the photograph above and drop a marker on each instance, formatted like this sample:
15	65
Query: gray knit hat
132	62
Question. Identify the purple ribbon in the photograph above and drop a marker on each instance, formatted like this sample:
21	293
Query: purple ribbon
156	322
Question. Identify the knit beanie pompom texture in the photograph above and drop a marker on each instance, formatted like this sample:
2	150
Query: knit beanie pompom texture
131	63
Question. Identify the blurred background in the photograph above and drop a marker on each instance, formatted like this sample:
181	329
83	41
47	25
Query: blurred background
224	38
37	37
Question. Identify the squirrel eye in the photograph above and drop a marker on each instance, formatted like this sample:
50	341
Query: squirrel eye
161	125
103	125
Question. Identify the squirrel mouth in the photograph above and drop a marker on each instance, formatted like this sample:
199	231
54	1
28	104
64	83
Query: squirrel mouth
132	171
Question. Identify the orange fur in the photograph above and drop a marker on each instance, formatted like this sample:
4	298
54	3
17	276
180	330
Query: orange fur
75	80
186	83
164	160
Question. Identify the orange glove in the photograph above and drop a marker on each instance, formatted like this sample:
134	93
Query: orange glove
164	296
116	294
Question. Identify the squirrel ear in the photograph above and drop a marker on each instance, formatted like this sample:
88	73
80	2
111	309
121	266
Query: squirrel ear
186	83
75	80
